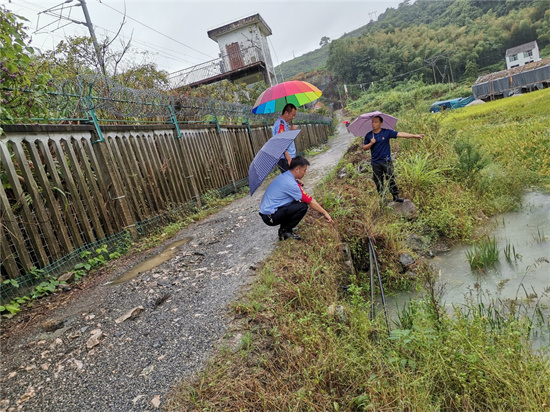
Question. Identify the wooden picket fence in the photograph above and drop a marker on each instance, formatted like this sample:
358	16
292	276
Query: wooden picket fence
63	189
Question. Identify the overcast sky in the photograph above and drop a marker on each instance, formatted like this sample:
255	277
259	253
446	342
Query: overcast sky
176	32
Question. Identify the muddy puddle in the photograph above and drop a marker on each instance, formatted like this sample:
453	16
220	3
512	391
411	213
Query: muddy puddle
167	253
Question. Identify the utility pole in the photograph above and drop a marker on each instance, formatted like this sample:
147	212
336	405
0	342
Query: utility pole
92	35
52	11
431	62
451	68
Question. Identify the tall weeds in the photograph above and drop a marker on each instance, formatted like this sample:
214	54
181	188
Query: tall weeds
296	355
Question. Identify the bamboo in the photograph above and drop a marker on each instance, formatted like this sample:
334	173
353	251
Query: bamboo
117	195
99	201
74	232
29	220
84	189
43	220
11	228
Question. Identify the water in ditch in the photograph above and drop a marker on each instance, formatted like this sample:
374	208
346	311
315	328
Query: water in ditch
526	276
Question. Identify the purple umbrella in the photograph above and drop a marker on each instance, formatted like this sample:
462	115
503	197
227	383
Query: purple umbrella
267	158
362	125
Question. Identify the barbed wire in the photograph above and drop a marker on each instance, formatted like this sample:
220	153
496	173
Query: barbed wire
75	99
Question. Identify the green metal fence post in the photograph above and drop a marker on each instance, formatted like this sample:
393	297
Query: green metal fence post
174	118
90	111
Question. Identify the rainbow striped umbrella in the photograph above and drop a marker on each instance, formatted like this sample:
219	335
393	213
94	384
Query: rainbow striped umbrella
275	98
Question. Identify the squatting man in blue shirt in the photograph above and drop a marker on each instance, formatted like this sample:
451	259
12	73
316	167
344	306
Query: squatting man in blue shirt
285	203
378	141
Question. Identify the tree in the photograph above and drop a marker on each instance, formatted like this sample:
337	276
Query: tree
143	76
324	41
22	83
471	71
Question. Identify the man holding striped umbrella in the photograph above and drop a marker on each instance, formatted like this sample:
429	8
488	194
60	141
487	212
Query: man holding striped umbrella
282	124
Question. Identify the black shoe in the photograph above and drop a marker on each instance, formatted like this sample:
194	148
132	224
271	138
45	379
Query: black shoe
289	235
398	199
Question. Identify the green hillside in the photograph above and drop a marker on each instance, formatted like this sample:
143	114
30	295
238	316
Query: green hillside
312	60
439	41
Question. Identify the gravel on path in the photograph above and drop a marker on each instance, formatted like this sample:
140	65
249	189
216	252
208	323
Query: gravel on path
122	347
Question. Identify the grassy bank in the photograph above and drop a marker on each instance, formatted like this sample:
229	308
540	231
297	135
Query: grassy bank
306	341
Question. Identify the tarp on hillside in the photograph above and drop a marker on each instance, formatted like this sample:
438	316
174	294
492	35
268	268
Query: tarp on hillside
451	104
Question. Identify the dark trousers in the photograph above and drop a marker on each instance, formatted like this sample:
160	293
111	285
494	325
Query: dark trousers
283	165
287	216
382	175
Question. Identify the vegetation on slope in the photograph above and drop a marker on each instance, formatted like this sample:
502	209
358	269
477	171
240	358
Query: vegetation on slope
297	352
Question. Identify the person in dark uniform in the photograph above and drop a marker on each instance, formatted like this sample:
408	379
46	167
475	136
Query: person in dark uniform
285	203
282	124
378	141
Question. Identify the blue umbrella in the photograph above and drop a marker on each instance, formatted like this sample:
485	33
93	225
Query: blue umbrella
267	158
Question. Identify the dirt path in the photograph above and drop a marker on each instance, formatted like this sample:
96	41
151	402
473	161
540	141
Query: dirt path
70	354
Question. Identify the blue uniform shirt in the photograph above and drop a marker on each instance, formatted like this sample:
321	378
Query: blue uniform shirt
281	192
281	126
380	151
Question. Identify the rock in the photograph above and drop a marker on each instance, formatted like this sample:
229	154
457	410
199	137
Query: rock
76	363
363	167
27	395
342	173
156	401
410	274
406	259
74	335
131	314
66	277
440	247
45	366
137	398
347	252
407	209
94	340
417	243
56	342
338	312
146	371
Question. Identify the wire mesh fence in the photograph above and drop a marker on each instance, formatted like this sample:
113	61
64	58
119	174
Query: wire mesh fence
65	193
90	97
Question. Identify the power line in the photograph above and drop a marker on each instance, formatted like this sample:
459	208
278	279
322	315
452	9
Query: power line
60	8
156	31
154	47
278	63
